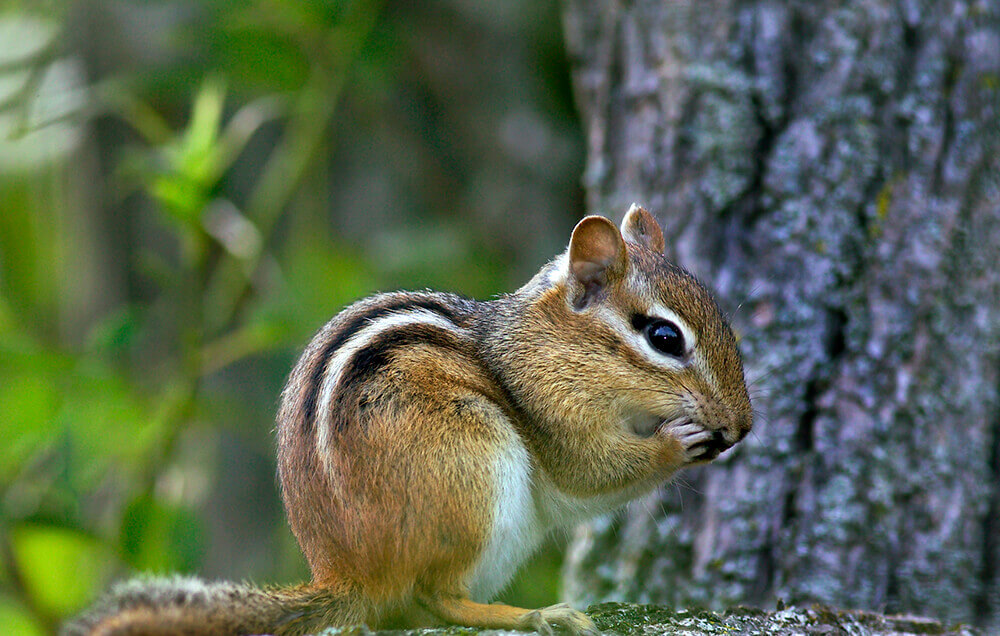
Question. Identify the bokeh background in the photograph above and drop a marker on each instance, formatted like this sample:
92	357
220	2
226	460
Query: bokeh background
188	190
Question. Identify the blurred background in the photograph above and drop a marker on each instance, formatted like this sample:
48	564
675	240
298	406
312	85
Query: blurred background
188	190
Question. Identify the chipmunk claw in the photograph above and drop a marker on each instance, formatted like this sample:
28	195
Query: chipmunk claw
697	443
561	615
533	621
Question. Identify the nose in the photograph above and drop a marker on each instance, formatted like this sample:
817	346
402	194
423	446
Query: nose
743	433
744	424
739	426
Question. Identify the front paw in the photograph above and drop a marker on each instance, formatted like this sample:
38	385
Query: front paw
694	442
573	621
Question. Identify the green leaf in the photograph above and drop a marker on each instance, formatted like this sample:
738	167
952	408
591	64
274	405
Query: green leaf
324	277
198	157
181	198
439	256
8	324
17	620
158	537
206	114
63	569
29	400
86	404
260	59
194	161
29	404
115	332
108	421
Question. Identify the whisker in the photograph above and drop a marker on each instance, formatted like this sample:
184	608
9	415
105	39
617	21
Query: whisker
763	420
747	296
688	485
650	513
764	374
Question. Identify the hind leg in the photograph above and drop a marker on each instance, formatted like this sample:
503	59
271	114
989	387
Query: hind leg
460	610
449	507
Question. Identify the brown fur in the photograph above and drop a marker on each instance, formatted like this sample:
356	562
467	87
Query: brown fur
187	606
393	498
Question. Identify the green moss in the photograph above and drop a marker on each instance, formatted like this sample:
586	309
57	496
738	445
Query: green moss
883	201
629	618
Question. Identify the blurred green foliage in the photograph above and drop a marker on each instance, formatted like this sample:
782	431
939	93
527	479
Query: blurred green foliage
188	190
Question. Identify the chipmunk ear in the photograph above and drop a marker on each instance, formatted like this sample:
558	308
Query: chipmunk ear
640	227
597	257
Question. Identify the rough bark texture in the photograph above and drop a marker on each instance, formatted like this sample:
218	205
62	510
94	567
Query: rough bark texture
830	168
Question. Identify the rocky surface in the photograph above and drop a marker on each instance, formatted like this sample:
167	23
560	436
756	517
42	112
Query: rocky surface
632	619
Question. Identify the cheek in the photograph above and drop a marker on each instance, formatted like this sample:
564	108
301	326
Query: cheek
658	393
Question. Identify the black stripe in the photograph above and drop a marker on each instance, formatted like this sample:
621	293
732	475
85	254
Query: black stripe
370	359
352	327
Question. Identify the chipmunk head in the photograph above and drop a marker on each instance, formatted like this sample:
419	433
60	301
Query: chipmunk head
664	349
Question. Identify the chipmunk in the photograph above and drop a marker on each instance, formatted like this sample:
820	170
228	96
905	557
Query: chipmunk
428	443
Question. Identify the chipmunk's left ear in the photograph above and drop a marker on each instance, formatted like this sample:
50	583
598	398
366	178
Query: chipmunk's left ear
640	227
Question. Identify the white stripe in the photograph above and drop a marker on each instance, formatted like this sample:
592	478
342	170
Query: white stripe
359	340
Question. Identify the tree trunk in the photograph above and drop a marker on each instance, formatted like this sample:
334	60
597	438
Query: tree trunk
831	169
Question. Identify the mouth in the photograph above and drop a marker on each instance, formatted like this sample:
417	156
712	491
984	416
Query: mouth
645	425
715	446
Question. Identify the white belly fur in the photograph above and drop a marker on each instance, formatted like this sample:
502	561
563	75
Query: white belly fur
528	506
517	531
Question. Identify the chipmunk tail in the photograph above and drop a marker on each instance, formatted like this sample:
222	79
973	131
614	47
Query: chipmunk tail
190	606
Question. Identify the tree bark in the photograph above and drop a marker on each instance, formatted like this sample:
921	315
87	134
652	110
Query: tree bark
831	169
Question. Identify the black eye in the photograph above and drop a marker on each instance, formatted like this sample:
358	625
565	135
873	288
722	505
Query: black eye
665	337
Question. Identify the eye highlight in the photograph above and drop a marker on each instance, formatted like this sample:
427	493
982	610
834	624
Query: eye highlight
662	335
